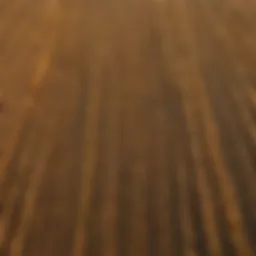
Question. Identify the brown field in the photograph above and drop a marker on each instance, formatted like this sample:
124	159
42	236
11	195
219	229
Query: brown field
128	127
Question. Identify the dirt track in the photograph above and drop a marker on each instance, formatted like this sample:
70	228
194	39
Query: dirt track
128	127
